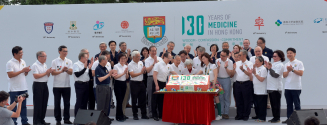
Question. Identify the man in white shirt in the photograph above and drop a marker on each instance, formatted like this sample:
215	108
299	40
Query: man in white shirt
225	72
183	55
149	64
197	60
81	71
61	84
243	88
293	71
138	91
160	73
17	69
91	100
176	65
40	88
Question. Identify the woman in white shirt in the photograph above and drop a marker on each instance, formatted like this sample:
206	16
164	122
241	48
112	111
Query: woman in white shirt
260	89
274	83
208	67
188	69
120	85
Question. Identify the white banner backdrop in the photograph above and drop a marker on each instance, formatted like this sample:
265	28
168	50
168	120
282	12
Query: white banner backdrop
299	24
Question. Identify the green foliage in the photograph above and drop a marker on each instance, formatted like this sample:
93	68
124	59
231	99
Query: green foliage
42	2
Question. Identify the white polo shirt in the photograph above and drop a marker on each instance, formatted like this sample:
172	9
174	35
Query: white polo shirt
208	70
265	58
222	71
240	75
61	80
276	83
149	62
177	69
95	65
17	83
79	66
120	69
163	71
136	68
39	68
186	72
293	81
197	63
260	88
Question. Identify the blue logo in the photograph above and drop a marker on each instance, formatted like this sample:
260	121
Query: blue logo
318	20
48	27
98	25
278	22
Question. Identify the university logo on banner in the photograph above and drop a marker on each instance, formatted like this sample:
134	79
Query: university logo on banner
48	27
72	25
154	30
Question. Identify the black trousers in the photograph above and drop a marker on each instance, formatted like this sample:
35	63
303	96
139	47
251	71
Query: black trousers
91	101
138	92
65	94
275	98
120	90
82	95
157	100
261	108
243	97
40	101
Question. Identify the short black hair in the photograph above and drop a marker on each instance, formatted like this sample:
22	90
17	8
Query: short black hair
121	55
225	51
166	55
61	47
217	48
106	52
280	55
16	49
262	39
112	42
182	52
312	121
144	48
291	49
4	96
197	48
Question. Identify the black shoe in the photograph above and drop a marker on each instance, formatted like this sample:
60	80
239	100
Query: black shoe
68	122
275	121
45	123
246	118
27	124
145	117
255	117
156	118
238	118
270	120
58	123
284	122
125	117
112	106
120	120
136	118
111	119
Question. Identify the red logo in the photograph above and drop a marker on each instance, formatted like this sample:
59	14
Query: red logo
259	22
124	25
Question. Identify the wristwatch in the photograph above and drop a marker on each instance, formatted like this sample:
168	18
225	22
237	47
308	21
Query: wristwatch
225	67
292	70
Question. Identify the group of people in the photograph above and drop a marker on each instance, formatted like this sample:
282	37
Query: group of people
249	73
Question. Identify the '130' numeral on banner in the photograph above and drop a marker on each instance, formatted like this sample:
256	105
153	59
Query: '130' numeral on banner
199	25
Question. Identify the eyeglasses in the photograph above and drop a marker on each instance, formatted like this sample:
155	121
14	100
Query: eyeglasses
65	51
43	56
222	56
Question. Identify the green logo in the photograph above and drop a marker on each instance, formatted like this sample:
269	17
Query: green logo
278	22
199	25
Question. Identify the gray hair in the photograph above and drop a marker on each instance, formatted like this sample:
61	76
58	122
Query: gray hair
188	62
244	52
39	53
102	43
170	43
260	58
224	43
202	49
134	53
83	50
258	47
187	45
121	43
80	55
176	56
102	57
247	40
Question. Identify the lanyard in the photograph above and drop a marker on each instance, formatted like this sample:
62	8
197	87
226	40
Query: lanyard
207	73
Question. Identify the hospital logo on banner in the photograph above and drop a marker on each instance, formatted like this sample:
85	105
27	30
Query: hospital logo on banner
124	32
48	27
73	30
98	29
154	31
259	23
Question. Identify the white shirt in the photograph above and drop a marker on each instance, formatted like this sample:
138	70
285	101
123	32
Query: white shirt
197	64
186	72
260	88
95	65
39	68
17	83
120	69
177	69
149	62
293	81
79	66
61	80
265	58
163	71
208	70
276	83
222	71
240	75
136	68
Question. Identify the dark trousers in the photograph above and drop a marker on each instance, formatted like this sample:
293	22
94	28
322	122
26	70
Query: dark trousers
138	92
65	94
292	97
103	98
243	97
157	100
23	113
91	101
120	90
275	97
261	108
82	94
40	101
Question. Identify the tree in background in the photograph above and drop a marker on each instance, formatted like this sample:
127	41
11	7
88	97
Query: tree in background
43	2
